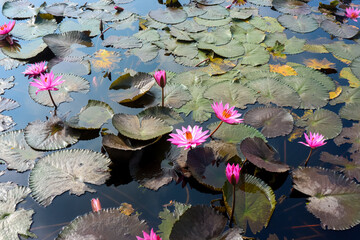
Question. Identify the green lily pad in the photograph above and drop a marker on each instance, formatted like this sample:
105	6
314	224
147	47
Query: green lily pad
122	42
190	26
212	23
52	134
236	94
18	9
267	24
293	7
322	121
243	13
350	111
111	141
252	35
67	170
254	55
340	30
267	3
62	9
351	169
316	76
148	35
232	49
255	202
342	50
300	24
192	9
104	224
92	25
355	67
92	116
16	153
27	51
144	128
66	44
329	192
218	37
273	121
176	95
168	15
34	28
70	65
210	2
214	12
234	133
180	35
14	222
146	53
198	222
167	114
350	135
262	155
73	83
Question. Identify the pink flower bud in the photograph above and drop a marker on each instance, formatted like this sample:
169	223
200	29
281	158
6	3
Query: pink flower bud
233	173
160	77
95	204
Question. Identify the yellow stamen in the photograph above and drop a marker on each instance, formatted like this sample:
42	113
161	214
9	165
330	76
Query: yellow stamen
226	113
188	135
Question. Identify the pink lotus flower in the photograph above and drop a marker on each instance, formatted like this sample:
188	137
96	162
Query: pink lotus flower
233	173
46	82
152	236
226	114
352	13
119	9
5	29
190	137
160	77
315	140
34	70
95	204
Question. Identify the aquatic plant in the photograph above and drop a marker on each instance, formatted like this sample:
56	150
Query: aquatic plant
189	137
352	13
313	141
95	204
151	236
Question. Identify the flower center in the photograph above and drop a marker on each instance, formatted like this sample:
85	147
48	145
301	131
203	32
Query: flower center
188	135
46	79
354	15
226	113
3	27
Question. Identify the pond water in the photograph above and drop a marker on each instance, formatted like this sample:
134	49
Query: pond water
294	58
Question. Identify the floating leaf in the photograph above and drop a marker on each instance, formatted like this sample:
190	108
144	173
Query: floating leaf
329	192
255	202
273	121
18	9
67	170
234	133
7	104
236	94
229	50
129	88
210	2
350	135
70	65
167	114
316	64
300	24
284	70
66	44
168	15
267	3
315	48
322	121
34	29
198	222
92	25
146	53
219	66
340	30
73	83
348	95
92	116
267	24
343	50
104	224
223	150
176	95
14	222
27	51
347	74
293	7
335	93
355	67
350	111
215	12
199	106
212	23
143	128
351	169
6	84
169	218
251	35
122	42
274	91
16	152
243	13
111	141
190	26
254	55
317	76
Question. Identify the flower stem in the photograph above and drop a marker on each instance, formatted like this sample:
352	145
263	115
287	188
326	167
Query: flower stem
308	156
216	129
53	102
202	62
233	207
162	97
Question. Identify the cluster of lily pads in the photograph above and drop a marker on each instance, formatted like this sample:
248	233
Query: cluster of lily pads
226	52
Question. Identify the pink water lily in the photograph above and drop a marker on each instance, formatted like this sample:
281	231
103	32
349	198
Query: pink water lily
233	173
95	204
226	114
160	77
35	70
47	82
151	236
5	29
352	13
189	137
315	140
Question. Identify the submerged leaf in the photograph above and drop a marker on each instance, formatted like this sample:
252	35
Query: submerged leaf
332	197
316	64
67	170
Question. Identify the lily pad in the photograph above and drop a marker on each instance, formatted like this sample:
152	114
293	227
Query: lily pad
104	224
73	83
167	114
355	67
176	95
322	121
342	50
293	7
267	24
262	155
92	116
254	55
350	135
130	88
16	153
111	141
7	104
34	28
67	44
273	121
332	197
92	25
300	24
351	169
198	222
234	133
67	170
340	30
18	9
27	51
190	26
350	111
243	13
315	75
7	83
255	202
168	15
146	53
122	42
199	106
144	128
215	12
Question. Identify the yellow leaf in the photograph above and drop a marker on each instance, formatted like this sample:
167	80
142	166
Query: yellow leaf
346	61
347	74
315	48
316	64
335	93
218	66
283	69
126	209
296	133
